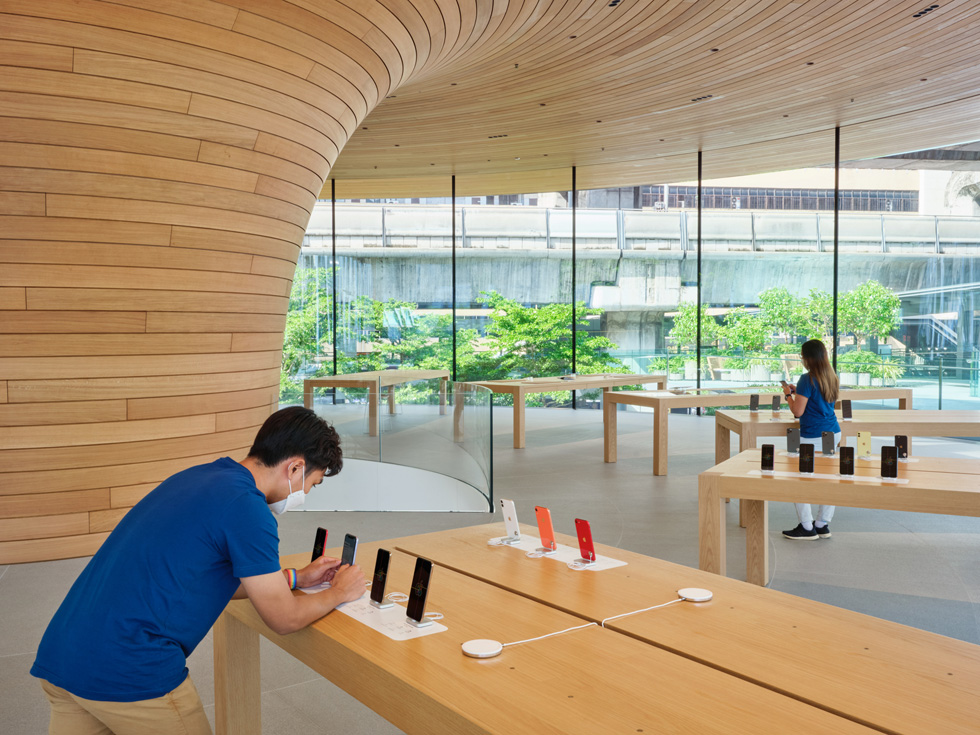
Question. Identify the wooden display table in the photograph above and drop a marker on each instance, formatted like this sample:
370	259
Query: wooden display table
749	425
945	486
375	381
886	675
585	681
518	389
663	401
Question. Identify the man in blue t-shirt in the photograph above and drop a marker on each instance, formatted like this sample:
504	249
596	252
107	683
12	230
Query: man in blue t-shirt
113	658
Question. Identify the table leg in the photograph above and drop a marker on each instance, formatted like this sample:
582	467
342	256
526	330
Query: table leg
237	685
519	419
711	525
391	400
609	430
723	443
307	394
746	440
660	414
459	401
373	409
442	396
756	540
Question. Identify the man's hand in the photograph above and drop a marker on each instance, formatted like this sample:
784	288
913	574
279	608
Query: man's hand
349	582
320	571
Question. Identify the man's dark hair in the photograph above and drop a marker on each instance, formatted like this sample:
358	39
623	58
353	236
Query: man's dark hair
298	431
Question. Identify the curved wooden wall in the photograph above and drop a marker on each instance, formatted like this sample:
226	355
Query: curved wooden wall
159	164
159	160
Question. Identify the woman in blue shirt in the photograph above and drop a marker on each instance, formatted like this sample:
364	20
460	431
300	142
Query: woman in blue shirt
812	401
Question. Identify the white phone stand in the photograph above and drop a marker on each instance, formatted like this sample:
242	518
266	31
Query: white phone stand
424	622
546	552
510	540
585	562
382	605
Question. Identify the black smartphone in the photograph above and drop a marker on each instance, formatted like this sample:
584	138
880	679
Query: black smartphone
775	403
319	543
847	460
379	579
420	588
806	458
829	447
349	554
889	462
845	409
902	445
793	440
754	402
768	457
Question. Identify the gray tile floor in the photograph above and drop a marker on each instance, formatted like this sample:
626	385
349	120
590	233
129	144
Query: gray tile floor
916	569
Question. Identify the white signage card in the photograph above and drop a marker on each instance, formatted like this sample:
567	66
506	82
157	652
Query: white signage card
563	554
820	476
390	621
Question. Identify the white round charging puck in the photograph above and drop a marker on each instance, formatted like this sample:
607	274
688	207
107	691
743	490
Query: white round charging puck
694	594
482	648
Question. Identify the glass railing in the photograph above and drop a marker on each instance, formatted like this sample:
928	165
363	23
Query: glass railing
424	445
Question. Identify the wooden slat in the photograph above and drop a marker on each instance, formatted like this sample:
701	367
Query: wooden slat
102	521
64	345
132	366
256	341
91	299
108	254
130	495
82	230
46	549
246	418
60	503
51	526
75	412
205	239
36	55
21	203
204	322
13	297
149	408
66	322
112	432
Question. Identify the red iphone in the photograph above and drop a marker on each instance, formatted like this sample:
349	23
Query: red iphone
545	529
584	533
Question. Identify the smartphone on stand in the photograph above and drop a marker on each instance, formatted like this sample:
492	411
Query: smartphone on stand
319	544
864	444
754	402
847	461
379	580
509	510
845	409
806	459
349	554
415	610
889	462
829	448
902	445
793	440
768	458
585	546
545	530
775	404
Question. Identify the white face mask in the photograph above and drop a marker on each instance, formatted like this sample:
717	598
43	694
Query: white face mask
293	500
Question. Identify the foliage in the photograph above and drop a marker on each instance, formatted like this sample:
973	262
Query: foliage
870	310
685	329
746	330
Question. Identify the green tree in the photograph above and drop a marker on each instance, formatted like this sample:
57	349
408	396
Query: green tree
745	330
685	329
778	309
870	310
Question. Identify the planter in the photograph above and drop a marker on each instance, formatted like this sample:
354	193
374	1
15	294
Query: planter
864	378
848	379
758	373
775	377
674	376
877	382
690	370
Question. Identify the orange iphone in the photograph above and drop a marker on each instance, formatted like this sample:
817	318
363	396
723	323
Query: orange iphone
545	530
584	532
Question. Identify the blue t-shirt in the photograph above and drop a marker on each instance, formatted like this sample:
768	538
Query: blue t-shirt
157	585
818	416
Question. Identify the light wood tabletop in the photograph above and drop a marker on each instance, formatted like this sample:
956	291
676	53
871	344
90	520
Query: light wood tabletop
749	425
663	401
520	388
374	381
888	676
588	681
947	486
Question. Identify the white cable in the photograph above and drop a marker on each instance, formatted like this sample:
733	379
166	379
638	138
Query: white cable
396	597
578	566
433	616
549	635
614	617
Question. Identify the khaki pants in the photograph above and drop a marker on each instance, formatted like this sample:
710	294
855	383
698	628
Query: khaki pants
178	713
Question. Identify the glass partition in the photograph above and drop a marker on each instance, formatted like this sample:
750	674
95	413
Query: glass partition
767	271
909	275
513	276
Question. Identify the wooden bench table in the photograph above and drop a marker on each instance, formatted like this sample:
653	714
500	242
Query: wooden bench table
584	681
520	388
374	381
749	425
947	486
663	401
882	674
